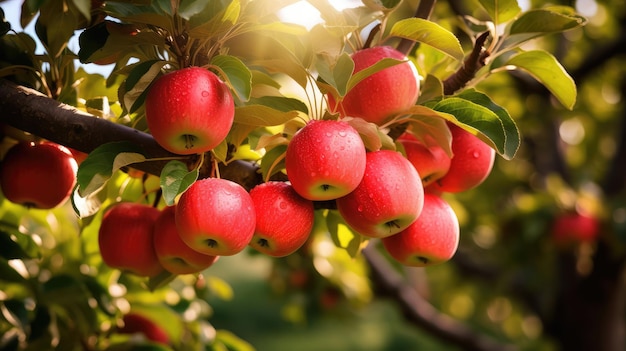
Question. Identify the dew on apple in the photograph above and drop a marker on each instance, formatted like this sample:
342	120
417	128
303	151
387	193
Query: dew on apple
342	134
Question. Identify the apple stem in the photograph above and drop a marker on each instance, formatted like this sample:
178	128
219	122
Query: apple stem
393	224
211	243
189	140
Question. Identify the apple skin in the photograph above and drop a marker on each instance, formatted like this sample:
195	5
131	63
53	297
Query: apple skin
216	217
325	160
135	323
38	175
385	93
284	219
432	239
172	252
388	199
125	239
471	163
575	227
189	111
431	162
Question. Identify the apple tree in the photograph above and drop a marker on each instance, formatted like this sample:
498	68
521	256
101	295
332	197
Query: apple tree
439	154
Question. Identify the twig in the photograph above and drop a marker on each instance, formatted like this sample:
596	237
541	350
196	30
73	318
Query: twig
466	72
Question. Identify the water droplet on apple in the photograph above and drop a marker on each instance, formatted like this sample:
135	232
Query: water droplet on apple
313	174
360	208
342	134
329	134
205	94
371	195
282	205
476	154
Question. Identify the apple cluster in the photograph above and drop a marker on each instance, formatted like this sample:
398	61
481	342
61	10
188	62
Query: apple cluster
386	194
214	217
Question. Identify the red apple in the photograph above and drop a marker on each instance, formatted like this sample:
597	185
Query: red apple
431	162
471	162
189	111
575	227
432	239
135	323
125	239
385	93
173	254
216	217
284	219
38	175
325	160
388	199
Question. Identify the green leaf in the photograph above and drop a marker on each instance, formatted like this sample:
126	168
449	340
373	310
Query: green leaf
429	127
500	11
540	22
175	179
261	116
98	167
214	20
464	112
342	72
230	341
160	280
546	69
429	33
511	132
364	73
220	288
84	7
371	135
135	88
236	73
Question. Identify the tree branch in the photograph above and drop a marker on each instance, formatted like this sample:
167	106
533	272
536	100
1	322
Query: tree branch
472	63
28	110
421	313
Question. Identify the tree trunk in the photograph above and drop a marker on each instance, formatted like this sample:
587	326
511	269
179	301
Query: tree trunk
589	312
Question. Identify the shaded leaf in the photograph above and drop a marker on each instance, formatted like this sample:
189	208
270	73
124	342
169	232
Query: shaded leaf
236	73
176	179
9	274
273	161
16	245
260	115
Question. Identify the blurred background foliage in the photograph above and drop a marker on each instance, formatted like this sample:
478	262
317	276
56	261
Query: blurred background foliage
506	281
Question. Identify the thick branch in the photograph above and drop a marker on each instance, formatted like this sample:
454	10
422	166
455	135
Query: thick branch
423	314
32	112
